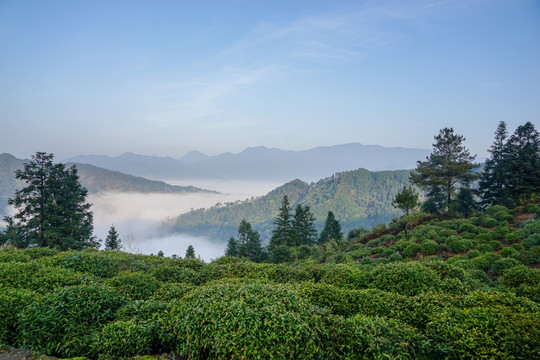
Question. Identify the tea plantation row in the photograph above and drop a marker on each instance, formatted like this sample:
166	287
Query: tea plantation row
113	305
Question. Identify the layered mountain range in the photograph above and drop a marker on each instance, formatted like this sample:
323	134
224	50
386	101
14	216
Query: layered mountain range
262	163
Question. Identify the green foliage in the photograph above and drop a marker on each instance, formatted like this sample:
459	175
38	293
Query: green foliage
112	241
332	230
405	278
448	166
123	339
373	337
252	321
136	286
411	250
63	322
12	302
190	252
485	332
51	209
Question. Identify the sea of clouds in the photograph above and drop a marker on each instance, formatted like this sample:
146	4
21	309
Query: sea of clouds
140	219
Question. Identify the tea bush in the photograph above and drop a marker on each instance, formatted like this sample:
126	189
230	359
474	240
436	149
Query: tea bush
135	286
405	278
63	322
373	337
257	321
12	302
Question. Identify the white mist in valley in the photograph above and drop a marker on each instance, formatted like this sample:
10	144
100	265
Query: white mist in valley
139	218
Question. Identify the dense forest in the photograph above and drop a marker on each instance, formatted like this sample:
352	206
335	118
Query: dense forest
455	277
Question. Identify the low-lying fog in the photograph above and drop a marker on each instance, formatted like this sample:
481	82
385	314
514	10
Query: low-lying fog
138	218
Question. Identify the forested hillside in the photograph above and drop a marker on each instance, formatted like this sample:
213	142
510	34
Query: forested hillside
358	198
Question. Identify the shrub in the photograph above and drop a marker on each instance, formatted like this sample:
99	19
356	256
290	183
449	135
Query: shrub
12	302
489	222
495	245
485	332
508	251
37	277
379	338
124	339
429	247
411	250
532	240
458	245
473	253
501	265
496	209
404	278
90	261
250	321
484	261
136	286
521	275
63	323
172	291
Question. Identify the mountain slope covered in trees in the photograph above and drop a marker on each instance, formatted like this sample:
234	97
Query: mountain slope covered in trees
358	198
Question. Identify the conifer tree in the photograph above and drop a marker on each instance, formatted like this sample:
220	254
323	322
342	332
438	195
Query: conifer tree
523	163
232	248
406	199
249	242
303	224
448	167
51	207
494	183
112	241
332	230
283	233
190	252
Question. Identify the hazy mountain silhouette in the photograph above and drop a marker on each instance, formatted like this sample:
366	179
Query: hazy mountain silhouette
262	163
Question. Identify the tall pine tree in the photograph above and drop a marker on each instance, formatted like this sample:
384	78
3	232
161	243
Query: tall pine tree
303	224
523	163
494	181
332	230
283	232
51	208
448	167
112	241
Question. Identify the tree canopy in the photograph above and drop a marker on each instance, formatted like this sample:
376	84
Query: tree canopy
449	167
50	209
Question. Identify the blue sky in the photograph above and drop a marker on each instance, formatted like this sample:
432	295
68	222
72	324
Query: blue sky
166	77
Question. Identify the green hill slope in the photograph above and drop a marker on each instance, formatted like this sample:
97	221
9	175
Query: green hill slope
358	198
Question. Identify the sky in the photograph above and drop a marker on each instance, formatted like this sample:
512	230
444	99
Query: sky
167	77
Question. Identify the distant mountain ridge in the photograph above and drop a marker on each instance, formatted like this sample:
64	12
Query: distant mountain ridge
263	164
93	178
358	198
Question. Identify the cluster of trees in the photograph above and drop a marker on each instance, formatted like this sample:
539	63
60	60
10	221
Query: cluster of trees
290	230
450	177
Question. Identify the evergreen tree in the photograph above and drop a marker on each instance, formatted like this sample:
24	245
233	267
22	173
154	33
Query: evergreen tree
303	224
112	241
249	242
447	168
283	233
332	230
190	252
494	181
523	163
465	201
406	199
232	248
51	208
